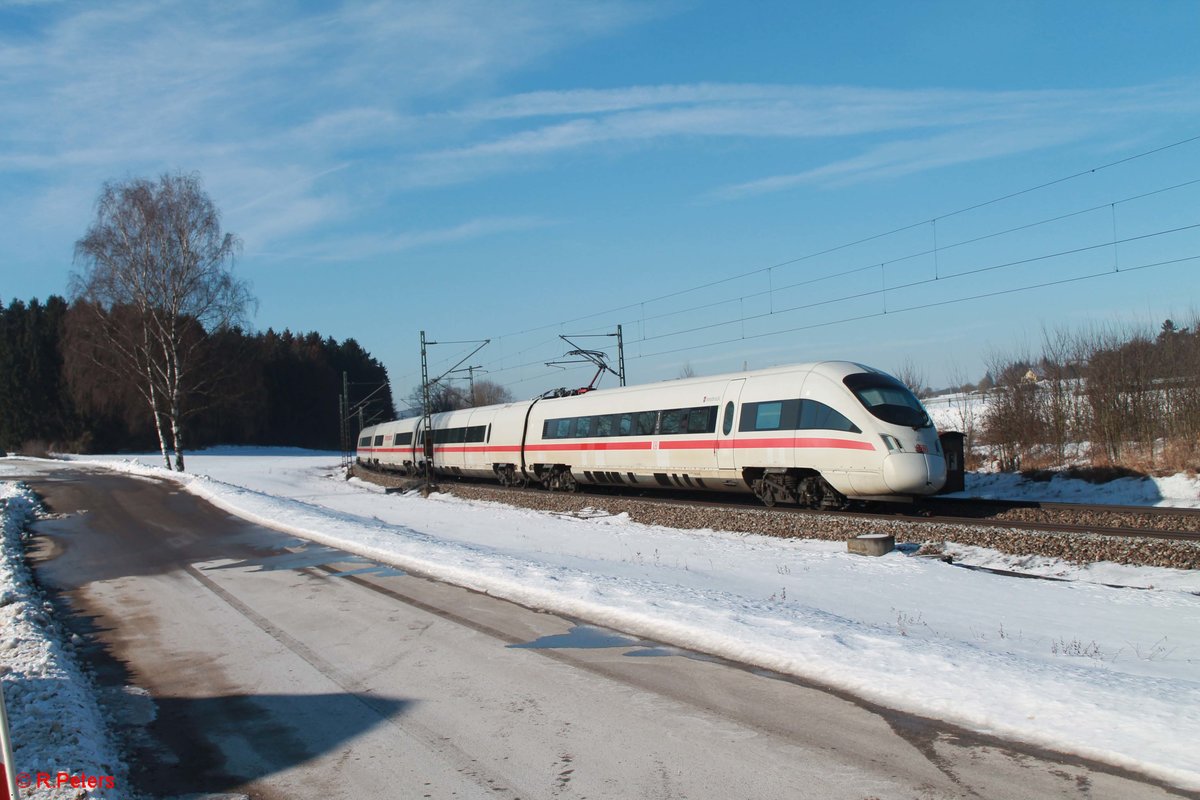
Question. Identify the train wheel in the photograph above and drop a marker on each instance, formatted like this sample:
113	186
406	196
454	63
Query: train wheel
765	490
563	481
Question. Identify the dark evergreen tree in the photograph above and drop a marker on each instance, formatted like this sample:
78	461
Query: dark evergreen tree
34	406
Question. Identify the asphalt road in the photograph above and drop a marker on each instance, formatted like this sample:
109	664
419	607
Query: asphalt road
237	659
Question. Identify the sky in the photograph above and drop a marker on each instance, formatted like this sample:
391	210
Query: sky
927	184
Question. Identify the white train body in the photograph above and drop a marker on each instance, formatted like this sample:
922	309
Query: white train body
815	434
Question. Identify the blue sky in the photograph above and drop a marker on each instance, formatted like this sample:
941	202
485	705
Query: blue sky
694	172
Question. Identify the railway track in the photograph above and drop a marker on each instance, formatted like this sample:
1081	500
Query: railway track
1123	521
991	505
1078	534
1131	522
1046	525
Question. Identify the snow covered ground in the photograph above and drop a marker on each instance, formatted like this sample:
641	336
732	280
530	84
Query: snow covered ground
1104	672
1180	491
55	721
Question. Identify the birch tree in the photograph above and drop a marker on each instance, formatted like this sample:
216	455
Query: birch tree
157	277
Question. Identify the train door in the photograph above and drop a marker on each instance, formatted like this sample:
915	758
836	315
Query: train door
727	424
422	449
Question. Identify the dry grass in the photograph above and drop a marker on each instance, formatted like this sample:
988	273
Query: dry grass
36	448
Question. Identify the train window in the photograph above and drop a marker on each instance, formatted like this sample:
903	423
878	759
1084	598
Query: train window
379	440
364	441
625	425
818	416
673	421
888	399
776	415
767	417
475	433
727	423
449	435
557	428
702	420
605	425
646	423
403	439
583	427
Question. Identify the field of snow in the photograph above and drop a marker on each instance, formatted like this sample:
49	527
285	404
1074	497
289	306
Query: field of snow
1104	672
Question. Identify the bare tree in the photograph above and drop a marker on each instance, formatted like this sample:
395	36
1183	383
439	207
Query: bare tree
964	406
687	371
490	393
1060	395
442	397
157	276
913	377
1013	424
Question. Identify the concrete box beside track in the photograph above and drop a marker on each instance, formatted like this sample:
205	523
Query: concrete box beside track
872	544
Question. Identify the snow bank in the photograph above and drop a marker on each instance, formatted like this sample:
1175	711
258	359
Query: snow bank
56	724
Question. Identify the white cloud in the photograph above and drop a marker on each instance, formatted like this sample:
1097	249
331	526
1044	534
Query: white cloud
355	248
937	127
905	157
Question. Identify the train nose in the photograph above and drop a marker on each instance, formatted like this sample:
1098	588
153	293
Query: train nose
914	473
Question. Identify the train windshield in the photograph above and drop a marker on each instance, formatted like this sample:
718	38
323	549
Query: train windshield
888	399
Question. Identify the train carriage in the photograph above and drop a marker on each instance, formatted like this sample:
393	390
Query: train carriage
814	434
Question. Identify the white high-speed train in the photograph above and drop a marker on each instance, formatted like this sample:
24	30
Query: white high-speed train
813	434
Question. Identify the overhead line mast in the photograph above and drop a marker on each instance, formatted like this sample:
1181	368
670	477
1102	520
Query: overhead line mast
597	357
426	406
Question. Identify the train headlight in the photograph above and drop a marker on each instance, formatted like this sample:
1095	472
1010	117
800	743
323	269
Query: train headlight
891	442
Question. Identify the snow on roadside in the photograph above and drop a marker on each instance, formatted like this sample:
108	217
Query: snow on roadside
1112	674
56	724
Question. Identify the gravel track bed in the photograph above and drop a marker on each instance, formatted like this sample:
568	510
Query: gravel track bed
1099	518
1080	548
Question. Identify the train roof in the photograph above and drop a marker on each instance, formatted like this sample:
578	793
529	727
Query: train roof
832	369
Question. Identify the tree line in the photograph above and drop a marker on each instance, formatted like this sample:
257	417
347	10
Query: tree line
150	349
1107	396
272	388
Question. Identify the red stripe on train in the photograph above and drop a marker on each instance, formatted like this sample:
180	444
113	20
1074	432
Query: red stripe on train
665	444
747	444
592	446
